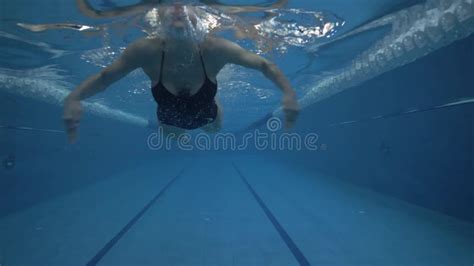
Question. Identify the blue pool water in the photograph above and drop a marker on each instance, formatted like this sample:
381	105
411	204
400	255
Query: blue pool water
380	173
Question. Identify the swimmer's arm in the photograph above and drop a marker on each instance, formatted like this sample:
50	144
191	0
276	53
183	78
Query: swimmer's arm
127	62
234	54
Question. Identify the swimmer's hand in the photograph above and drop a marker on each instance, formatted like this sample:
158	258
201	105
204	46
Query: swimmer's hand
290	108
71	117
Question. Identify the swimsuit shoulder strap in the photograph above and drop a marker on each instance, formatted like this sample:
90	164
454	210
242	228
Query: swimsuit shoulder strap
202	63
161	68
163	59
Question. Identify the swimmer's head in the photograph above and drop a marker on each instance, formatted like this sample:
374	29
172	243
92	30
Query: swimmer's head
179	16
180	22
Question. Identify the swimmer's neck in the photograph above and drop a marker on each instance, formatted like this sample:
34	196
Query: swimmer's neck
180	46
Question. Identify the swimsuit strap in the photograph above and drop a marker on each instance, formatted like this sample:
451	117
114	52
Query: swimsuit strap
163	60
202	63
161	68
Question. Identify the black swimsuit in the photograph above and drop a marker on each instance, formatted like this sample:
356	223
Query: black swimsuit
186	111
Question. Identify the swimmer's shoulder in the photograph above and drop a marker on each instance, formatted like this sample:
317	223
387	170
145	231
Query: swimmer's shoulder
145	47
214	44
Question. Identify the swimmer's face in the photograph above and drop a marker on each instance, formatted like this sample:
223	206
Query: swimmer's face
178	17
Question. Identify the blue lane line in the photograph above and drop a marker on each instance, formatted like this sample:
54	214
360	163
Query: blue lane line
283	234
129	225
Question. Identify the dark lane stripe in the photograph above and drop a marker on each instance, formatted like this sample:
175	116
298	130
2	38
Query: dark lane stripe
129	225
411	111
283	234
454	104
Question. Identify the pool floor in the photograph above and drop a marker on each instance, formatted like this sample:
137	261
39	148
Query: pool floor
230	210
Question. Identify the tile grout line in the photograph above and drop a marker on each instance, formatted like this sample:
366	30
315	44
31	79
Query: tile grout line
299	256
103	251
